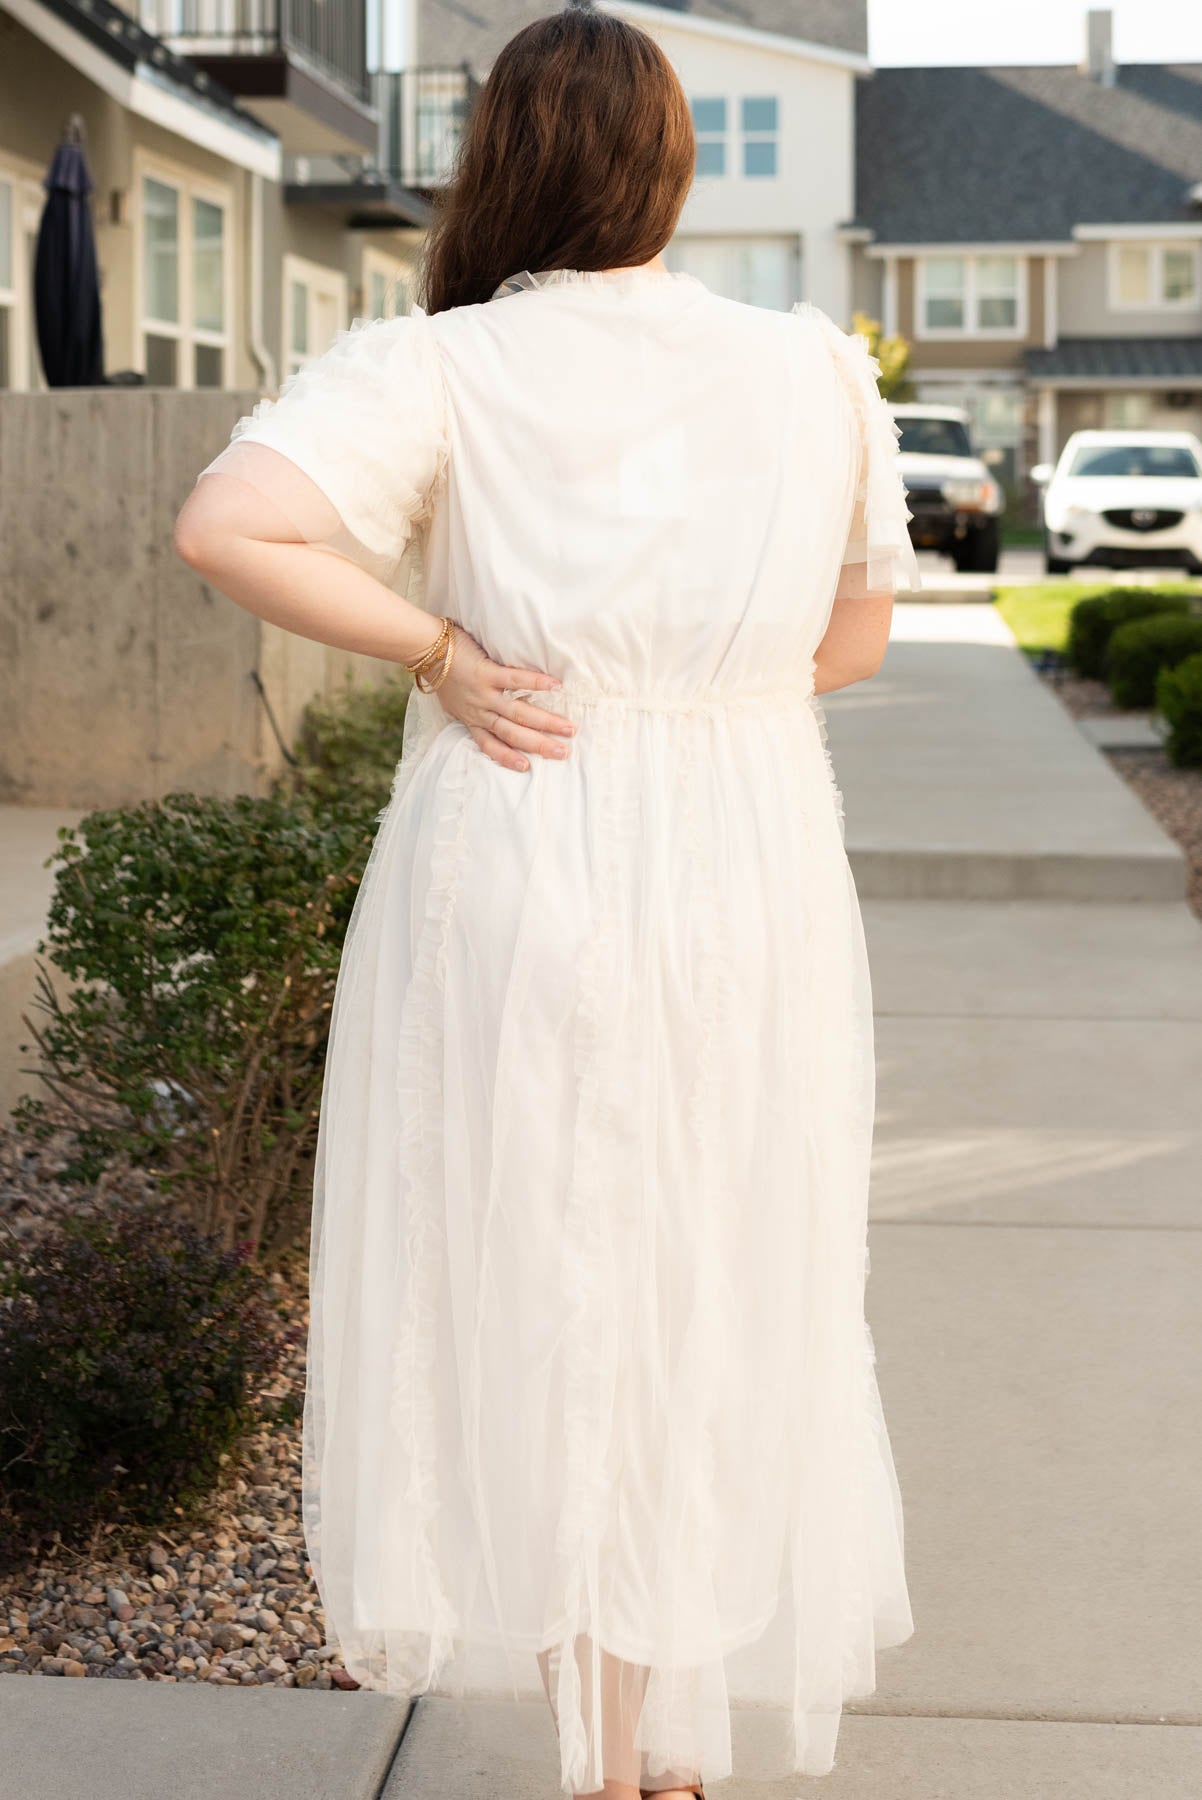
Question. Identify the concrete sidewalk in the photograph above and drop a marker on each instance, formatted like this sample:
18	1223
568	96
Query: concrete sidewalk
966	780
1036	1260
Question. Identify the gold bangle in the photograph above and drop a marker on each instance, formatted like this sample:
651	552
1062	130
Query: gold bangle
430	687
434	651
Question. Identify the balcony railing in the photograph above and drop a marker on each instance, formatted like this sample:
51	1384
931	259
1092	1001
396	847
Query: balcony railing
328	35
422	115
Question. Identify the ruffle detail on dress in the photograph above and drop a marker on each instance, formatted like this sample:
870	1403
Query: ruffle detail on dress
828	761
442	441
625	280
591	1346
419	1165
879	557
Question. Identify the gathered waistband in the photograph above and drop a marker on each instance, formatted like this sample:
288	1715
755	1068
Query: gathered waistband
715	701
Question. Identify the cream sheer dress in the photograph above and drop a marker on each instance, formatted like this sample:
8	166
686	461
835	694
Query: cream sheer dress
592	1412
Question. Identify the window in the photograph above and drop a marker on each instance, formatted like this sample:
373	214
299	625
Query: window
1154	277
185	267
387	285
160	281
21	200
208	292
709	128
314	310
1168	461
756	152
759	270
8	287
1127	412
971	296
997	293
1179	277
932	437
759	136
943	287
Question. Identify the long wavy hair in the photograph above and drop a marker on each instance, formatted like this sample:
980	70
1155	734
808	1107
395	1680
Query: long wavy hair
578	153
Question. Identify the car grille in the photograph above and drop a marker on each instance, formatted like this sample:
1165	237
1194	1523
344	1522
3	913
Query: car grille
925	499
1142	518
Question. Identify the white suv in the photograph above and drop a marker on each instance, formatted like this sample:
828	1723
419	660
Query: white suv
1126	499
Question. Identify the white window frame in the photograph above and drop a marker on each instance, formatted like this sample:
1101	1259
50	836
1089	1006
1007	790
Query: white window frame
733	137
746	137
392	269
25	368
722	137
186	334
970	328
1155	251
319	279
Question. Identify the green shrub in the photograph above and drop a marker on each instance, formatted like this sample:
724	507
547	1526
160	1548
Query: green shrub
131	1349
1179	698
348	748
200	939
1140	650
1095	618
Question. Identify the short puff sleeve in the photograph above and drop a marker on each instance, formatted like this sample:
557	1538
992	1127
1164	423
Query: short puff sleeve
354	450
879	556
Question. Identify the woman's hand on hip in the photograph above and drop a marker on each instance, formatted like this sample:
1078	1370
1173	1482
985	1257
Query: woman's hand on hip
508	729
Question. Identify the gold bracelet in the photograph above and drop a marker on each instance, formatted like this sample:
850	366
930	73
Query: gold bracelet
422	680
433	653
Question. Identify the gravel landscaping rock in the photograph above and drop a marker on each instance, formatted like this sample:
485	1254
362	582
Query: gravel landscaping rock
231	1601
1173	796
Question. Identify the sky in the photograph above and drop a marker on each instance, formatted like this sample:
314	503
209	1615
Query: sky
923	32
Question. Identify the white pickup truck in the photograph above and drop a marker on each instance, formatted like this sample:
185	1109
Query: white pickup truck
955	502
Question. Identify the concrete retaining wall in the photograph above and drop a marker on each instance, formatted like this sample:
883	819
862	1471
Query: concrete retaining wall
122	676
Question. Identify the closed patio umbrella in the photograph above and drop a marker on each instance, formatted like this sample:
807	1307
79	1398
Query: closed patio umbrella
66	281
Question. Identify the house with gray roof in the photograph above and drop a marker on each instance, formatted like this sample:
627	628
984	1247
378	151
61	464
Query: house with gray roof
772	88
1036	234
449	32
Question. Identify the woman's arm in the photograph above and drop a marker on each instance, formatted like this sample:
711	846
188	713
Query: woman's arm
248	549
853	648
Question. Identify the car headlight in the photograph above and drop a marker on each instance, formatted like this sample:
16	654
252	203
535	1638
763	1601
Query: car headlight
972	496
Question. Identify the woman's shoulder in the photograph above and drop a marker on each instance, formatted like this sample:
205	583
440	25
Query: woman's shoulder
811	318
849	351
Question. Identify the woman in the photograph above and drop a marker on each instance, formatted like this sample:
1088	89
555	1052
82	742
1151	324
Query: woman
591	1397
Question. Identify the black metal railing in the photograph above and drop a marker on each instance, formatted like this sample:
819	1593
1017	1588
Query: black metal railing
330	35
422	114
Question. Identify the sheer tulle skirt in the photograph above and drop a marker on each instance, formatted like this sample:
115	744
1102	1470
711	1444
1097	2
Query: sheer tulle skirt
592	1407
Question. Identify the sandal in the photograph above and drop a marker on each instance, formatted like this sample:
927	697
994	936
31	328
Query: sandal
654	1793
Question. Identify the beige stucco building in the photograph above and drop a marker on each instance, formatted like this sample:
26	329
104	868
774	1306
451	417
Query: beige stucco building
221	264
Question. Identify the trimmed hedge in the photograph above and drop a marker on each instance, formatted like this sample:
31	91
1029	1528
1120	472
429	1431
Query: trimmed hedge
200	939
131	1350
1097	617
349	747
1179	699
1139	651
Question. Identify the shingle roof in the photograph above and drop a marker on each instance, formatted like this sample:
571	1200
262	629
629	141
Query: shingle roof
1119	359
1023	155
455	31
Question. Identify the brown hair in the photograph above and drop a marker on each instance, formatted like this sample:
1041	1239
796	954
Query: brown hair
578	153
